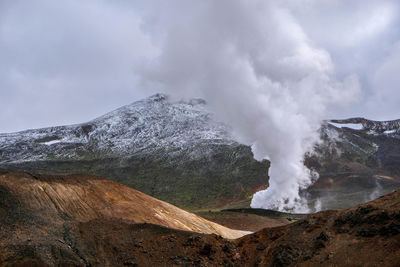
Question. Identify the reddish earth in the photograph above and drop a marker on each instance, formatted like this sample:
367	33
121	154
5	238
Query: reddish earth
84	198
366	235
39	229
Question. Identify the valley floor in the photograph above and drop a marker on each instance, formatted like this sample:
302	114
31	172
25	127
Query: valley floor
244	221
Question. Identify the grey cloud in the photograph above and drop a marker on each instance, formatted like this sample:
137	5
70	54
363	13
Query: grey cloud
58	54
361	36
65	62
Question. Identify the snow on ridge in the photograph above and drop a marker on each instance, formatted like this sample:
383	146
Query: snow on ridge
390	131
354	126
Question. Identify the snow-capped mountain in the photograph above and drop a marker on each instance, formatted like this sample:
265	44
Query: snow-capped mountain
146	125
175	151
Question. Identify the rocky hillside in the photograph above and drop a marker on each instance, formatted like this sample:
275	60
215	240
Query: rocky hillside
358	160
89	221
172	151
366	235
372	127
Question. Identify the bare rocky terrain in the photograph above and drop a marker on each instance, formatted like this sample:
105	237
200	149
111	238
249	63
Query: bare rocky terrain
357	161
90	221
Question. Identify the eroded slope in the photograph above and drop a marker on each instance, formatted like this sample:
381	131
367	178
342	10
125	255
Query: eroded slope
84	198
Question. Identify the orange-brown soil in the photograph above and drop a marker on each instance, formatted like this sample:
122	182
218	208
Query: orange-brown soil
84	198
38	229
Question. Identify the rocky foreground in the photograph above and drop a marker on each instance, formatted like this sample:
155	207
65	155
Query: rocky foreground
88	221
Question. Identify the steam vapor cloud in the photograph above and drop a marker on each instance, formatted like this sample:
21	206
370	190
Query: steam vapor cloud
260	74
266	68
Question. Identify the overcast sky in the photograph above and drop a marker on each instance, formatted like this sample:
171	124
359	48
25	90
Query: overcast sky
64	62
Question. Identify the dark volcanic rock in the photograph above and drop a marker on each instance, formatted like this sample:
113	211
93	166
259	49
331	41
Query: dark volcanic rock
371	238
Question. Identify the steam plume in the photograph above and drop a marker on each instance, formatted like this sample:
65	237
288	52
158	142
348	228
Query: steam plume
260	74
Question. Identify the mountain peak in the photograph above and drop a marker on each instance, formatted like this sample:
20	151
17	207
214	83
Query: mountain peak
158	97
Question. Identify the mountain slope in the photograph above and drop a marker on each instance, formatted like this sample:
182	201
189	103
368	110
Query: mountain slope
84	198
71	220
147	125
172	151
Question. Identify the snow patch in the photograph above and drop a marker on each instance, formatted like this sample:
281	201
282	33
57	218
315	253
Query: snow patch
390	131
375	146
354	126
52	142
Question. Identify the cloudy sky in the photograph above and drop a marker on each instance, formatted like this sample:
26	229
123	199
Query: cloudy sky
64	62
